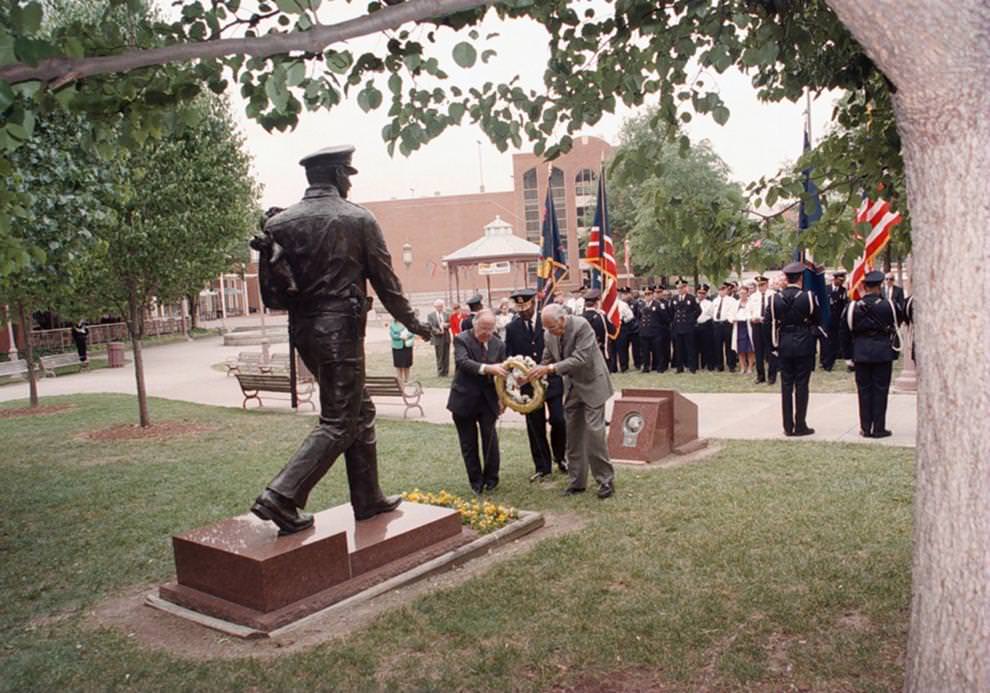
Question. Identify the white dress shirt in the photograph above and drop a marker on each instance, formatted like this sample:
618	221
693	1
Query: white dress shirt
706	311
625	312
758	303
724	309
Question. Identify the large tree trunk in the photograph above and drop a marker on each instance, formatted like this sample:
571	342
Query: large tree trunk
135	329
24	316
937	54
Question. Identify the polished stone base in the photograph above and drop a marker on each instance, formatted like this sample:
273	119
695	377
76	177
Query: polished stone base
648	425
240	570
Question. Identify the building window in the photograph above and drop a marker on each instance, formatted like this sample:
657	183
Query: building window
531	206
584	182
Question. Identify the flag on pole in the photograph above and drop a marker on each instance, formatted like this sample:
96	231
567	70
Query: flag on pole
810	211
601	256
881	220
552	267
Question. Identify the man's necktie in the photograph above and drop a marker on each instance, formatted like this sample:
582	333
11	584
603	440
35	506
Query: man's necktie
718	313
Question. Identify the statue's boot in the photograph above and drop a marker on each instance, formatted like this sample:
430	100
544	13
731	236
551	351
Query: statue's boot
280	510
367	498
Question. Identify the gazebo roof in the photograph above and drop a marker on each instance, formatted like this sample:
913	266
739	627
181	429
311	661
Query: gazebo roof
498	243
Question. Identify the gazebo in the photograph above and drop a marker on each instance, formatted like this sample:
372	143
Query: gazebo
494	253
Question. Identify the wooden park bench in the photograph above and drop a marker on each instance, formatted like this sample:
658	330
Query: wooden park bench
249	360
13	369
50	363
390	386
279	363
254	383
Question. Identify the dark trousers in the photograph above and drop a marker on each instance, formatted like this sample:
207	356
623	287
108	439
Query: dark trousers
545	454
618	358
442	349
647	357
704	345
331	346
830	347
684	352
795	374
766	363
634	345
723	355
661	351
468	428
872	385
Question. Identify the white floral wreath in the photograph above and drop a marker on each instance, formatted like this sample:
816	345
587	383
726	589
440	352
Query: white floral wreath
509	388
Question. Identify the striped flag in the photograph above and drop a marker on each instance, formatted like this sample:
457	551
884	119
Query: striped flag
878	215
601	254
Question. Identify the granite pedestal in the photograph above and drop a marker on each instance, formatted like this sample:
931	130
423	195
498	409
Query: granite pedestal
240	570
647	425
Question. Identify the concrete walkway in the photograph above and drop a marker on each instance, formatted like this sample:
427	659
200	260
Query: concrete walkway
182	371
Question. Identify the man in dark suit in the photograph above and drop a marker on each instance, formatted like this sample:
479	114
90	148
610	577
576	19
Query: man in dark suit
893	292
869	337
571	352
478	356
794	319
524	337
649	327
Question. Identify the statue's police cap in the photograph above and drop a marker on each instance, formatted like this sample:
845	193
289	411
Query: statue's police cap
475	300
523	296
873	278
339	155
794	268
593	295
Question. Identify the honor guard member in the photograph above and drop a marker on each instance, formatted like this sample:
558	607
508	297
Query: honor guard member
524	337
869	337
837	300
794	319
684	317
759	302
594	315
704	330
636	304
474	304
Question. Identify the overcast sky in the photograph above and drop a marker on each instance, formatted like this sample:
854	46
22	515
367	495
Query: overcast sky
757	139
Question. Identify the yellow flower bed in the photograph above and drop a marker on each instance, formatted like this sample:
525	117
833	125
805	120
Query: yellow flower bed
483	517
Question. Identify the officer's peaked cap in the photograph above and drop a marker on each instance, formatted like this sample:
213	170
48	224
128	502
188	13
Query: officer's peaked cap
339	155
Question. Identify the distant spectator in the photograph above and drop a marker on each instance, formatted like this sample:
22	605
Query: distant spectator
402	349
455	320
80	333
502	318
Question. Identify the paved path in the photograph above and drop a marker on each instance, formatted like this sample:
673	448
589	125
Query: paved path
182	371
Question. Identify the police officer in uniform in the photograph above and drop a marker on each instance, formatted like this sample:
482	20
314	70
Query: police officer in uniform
594	315
524	337
631	328
333	248
869	337
474	304
685	310
837	300
649	329
794	320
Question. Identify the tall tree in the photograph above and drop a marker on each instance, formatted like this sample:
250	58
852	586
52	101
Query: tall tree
184	205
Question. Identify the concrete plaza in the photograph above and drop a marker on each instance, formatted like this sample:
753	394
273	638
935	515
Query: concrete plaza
184	371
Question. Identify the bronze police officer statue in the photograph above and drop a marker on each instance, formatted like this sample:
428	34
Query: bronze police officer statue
332	248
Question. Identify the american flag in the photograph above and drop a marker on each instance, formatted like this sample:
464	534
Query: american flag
601	254
881	220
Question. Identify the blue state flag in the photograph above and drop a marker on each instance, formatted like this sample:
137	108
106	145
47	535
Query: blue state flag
553	260
810	212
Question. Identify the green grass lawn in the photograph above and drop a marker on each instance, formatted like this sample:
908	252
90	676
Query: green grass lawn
424	369
768	565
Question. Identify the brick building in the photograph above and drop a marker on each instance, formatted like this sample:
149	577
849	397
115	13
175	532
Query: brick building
420	231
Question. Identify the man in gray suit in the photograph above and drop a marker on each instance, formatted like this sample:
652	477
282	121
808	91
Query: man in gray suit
439	322
571	351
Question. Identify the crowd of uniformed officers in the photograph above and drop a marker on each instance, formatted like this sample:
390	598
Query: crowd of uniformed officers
773	331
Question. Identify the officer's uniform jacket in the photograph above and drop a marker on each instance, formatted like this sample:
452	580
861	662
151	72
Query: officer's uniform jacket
868	331
795	316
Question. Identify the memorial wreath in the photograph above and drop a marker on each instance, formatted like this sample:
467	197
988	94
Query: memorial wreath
510	387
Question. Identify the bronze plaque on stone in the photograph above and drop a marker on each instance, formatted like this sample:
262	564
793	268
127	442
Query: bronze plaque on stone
647	425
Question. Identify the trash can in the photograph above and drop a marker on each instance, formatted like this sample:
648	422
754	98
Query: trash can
115	354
